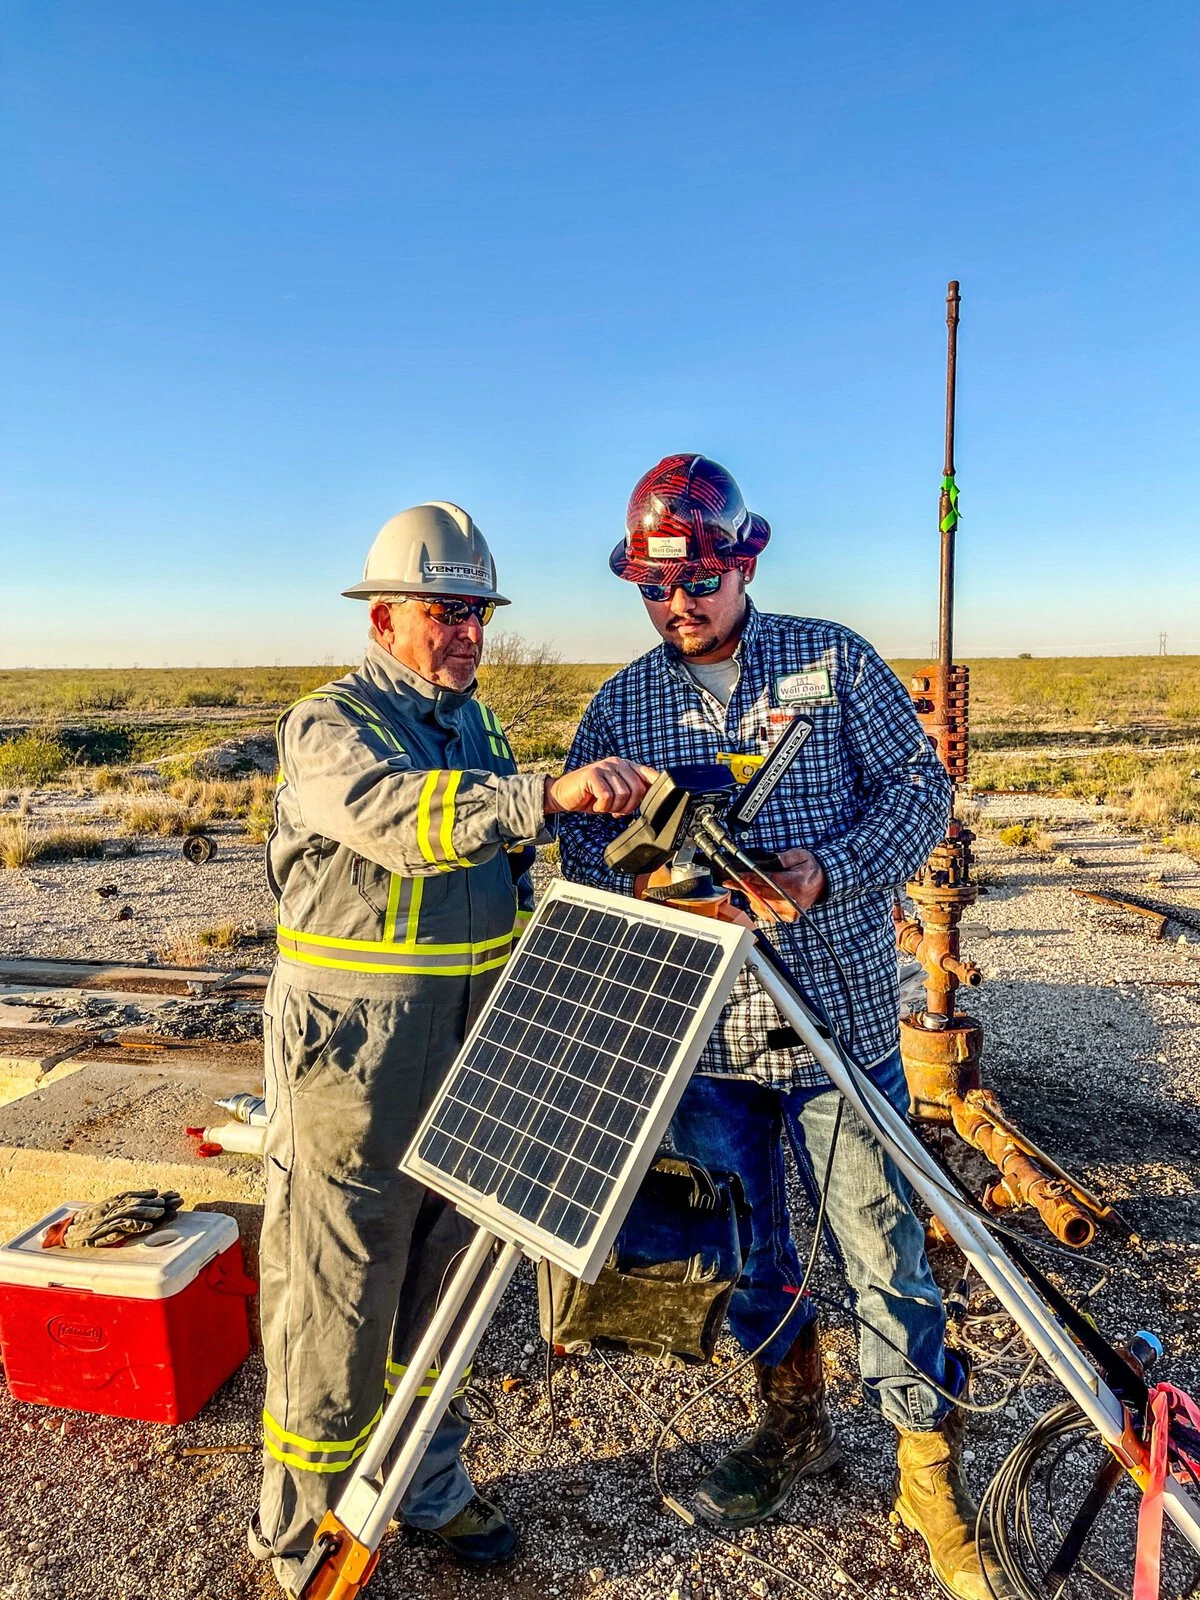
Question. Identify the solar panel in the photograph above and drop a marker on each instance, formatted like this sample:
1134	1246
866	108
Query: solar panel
555	1106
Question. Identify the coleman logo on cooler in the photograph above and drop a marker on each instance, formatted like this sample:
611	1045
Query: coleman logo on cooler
794	688
76	1335
666	547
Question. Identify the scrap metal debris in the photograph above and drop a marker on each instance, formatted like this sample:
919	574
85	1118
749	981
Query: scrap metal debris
1112	902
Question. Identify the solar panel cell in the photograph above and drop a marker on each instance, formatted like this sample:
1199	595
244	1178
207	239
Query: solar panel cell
556	1102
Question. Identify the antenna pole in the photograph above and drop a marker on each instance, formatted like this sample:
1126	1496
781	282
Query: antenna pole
948	501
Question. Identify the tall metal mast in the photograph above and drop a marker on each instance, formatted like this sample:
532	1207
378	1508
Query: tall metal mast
948	504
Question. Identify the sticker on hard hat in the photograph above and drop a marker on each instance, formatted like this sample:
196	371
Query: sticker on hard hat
792	688
663	547
455	569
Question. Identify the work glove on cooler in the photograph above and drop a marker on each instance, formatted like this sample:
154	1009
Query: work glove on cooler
113	1221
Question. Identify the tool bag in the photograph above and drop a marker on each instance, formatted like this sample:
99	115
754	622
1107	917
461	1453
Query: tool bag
665	1286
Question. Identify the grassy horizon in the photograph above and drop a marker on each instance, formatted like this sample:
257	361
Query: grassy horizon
1046	692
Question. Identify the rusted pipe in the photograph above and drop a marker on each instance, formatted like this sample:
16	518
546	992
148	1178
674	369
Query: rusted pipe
1023	1182
931	948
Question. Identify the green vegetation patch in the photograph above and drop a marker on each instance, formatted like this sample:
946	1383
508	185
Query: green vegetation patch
1024	836
30	760
1153	788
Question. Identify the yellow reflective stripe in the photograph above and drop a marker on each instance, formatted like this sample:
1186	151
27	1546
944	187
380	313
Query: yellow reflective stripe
423	818
522	919
414	910
390	967
446	837
397	1370
497	739
290	1460
385	945
319	1446
393	906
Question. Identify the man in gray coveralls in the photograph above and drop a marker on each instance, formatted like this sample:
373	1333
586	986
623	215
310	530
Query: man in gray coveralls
399	862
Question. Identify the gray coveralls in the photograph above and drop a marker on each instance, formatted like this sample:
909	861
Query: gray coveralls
399	861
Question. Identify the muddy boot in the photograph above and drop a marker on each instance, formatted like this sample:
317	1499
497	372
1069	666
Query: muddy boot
794	1439
933	1501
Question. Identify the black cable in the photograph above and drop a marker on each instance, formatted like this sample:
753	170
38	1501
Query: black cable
939	1389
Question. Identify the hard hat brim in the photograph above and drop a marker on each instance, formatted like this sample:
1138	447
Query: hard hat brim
448	588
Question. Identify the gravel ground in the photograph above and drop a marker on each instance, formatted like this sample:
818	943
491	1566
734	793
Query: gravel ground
1093	1044
53	908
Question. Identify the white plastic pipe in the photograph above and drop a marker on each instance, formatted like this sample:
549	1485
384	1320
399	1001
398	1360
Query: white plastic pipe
238	1138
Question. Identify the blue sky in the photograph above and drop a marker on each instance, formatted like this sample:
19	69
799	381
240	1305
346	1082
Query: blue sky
274	272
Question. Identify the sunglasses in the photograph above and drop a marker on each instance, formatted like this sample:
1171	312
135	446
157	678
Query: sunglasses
453	613
694	590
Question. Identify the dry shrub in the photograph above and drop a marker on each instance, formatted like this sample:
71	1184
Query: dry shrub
223	797
260	819
21	845
16	843
1186	838
68	844
182	950
1025	836
162	820
1162	795
223	937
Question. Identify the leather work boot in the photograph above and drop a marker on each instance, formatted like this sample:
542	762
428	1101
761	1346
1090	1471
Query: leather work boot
480	1533
933	1501
794	1439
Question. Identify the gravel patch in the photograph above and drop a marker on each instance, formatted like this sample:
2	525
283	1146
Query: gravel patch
1093	1045
57	909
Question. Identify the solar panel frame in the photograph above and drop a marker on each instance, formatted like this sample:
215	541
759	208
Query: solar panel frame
621	1117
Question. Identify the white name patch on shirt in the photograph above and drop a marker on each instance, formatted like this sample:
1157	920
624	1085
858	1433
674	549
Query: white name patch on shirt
666	547
794	688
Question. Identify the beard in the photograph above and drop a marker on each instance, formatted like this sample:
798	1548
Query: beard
698	640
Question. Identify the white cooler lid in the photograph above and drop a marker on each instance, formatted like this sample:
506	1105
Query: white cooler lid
150	1268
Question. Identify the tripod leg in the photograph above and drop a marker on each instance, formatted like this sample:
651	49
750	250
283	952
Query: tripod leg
345	1550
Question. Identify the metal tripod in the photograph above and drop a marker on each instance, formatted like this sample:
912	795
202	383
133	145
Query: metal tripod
346	1547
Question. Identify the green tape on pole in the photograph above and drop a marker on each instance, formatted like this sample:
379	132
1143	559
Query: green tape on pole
950	490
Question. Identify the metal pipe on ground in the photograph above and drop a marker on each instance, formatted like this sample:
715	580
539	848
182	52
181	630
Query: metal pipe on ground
1022	1180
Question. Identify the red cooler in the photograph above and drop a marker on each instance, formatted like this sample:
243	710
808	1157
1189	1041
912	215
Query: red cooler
148	1330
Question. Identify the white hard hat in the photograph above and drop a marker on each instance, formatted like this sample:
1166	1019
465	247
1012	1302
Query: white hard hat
431	549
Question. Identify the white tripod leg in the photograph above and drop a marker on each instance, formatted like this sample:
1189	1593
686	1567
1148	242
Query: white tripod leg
345	1550
1018	1297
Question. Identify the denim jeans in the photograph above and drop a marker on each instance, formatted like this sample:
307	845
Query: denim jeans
735	1125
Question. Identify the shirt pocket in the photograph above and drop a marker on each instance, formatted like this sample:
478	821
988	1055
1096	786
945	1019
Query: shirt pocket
373	884
371	881
820	766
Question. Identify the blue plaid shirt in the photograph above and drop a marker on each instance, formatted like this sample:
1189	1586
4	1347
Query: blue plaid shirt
867	795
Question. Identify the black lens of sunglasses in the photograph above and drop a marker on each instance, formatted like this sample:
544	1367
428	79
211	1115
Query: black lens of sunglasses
453	613
694	591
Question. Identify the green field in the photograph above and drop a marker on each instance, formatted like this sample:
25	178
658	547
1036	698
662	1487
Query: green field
1123	729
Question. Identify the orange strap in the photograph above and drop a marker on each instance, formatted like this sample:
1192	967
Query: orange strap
1165	1401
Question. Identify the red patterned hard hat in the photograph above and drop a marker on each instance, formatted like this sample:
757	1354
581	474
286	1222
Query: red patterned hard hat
686	515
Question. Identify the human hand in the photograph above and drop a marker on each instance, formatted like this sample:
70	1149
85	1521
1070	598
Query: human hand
802	877
613	786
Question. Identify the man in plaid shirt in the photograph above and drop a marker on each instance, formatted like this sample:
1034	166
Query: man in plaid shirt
859	811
